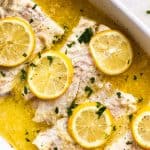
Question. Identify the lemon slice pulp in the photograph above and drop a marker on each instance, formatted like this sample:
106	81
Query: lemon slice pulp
88	128
50	75
141	127
111	51
17	41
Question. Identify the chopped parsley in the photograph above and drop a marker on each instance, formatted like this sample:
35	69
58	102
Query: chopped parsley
98	104
72	106
140	100
55	148
34	6
66	51
148	11
27	139
88	90
32	65
31	20
37	131
39	55
129	142
128	61
23	75
71	44
114	128
25	90
119	94
100	111
130	117
86	36
134	77
50	58
2	74
24	55
92	80
26	133
66	28
56	110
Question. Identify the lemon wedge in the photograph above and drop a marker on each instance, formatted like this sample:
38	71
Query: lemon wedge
17	41
90	125
111	51
50	75
141	127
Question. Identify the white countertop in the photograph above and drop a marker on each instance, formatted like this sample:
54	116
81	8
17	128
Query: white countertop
139	8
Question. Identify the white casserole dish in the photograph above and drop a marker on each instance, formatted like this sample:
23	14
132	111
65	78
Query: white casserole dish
131	15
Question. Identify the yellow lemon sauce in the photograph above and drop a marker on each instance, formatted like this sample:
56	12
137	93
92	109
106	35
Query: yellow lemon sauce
16	114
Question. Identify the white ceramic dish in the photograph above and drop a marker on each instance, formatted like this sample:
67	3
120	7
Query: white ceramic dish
130	14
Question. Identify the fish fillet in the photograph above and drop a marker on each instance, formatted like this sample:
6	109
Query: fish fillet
47	32
125	142
84	71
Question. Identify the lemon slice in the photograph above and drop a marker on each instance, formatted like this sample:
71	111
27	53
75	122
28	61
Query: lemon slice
17	41
50	75
90	125
141	127
111	51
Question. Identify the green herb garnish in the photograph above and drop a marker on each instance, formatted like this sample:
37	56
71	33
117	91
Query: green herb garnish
39	55
134	77
31	20
55	148
100	111
92	80
24	55
72	106
50	58
2	74
32	65
86	36
23	75
71	44
114	128
25	90
34	6
119	94
130	117
88	90
27	139
129	142
140	100
98	104
148	11
56	110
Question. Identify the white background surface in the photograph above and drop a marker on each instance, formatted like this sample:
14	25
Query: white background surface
139	8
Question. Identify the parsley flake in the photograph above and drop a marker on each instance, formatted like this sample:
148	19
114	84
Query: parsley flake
34	6
86	36
92	80
148	11
39	55
130	117
2	74
100	111
71	44
72	106
56	110
23	75
88	90
32	65
50	58
25	90
24	55
119	94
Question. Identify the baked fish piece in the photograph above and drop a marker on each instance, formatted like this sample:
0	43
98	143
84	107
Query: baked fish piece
87	85
47	33
125	142
56	137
